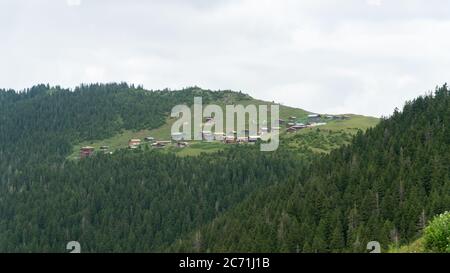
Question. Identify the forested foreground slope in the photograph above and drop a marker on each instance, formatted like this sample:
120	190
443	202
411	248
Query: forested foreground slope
130	201
383	187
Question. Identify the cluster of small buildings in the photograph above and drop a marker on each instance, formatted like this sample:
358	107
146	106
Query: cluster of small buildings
87	151
340	117
241	139
292	125
313	120
230	137
135	143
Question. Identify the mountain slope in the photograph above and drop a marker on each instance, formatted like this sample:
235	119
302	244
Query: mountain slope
45	114
119	140
163	132
383	187
141	200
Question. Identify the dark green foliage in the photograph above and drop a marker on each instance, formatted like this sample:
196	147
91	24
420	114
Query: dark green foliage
45	200
129	201
382	187
437	234
322	140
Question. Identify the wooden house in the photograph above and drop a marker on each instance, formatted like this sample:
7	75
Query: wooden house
177	136
229	139
242	139
219	136
86	151
134	143
314	118
161	143
253	138
182	144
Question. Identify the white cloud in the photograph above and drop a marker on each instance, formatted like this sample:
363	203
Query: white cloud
374	2
95	73
72	3
321	55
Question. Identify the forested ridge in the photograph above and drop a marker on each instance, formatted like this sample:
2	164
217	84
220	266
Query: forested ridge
44	122
383	186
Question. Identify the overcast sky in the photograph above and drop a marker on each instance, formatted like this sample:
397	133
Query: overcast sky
329	56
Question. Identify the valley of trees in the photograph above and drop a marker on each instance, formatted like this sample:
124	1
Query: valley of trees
383	186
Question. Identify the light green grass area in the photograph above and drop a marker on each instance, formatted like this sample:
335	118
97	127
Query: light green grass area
353	124
286	112
118	141
197	148
415	247
323	139
163	132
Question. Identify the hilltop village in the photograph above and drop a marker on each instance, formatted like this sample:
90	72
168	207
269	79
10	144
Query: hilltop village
290	125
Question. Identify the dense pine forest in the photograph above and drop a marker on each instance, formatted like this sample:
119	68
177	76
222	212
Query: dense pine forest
385	185
128	202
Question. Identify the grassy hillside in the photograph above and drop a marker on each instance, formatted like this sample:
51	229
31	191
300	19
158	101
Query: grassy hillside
334	134
346	128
